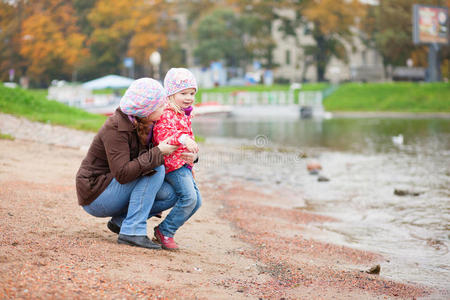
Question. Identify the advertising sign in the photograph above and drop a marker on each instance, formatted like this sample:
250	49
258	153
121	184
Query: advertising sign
430	24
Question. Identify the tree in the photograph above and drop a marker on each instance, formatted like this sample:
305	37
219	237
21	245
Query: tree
82	9
150	32
125	28
256	20
195	10
174	55
112	29
51	44
236	36
219	38
330	23
10	23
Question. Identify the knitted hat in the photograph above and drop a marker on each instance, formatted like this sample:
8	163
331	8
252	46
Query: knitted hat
178	79
142	97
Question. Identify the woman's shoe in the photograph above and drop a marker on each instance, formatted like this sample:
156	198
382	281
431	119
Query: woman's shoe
113	227
138	241
166	242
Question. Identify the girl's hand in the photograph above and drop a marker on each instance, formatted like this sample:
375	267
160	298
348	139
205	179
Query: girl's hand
191	145
189	157
166	148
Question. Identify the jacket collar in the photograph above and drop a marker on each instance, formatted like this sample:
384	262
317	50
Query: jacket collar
123	123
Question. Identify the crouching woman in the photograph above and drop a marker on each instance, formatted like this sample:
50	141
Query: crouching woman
122	172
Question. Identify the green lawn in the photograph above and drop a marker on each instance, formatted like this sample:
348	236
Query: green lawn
395	97
33	105
109	91
5	136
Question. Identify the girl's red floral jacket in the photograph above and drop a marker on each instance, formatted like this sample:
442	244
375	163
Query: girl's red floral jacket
173	124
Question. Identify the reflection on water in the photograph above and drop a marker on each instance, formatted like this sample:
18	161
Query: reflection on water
351	134
365	167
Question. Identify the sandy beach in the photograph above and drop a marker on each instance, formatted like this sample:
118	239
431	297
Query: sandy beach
239	245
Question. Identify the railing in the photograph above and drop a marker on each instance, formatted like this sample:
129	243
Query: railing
244	98
247	98
308	103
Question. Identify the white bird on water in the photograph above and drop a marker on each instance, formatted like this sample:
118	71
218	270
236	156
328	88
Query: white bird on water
398	140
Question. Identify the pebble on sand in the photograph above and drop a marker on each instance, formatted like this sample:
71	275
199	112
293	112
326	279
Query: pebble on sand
322	178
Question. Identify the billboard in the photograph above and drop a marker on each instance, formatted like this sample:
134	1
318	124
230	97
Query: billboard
430	24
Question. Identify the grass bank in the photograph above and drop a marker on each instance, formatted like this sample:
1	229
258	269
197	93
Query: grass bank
35	106
395	97
5	136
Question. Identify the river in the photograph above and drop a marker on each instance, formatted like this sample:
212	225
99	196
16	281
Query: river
365	161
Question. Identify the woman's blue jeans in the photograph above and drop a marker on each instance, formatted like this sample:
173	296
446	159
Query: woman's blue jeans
188	200
131	204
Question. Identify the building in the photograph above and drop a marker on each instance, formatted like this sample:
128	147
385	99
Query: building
364	64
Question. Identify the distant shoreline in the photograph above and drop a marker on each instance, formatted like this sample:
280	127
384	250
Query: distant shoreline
389	114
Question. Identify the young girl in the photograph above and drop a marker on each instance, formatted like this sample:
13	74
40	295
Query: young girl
175	123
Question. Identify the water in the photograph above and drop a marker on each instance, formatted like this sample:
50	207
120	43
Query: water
365	166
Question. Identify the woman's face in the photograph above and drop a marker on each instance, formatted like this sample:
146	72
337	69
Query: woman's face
155	115
185	98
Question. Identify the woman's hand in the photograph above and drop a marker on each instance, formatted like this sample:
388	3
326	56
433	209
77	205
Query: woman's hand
191	145
166	148
189	157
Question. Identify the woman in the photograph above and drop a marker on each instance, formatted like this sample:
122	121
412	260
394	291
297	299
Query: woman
122	174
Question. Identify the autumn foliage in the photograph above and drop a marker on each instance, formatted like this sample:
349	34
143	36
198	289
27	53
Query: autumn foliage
83	39
51	40
57	39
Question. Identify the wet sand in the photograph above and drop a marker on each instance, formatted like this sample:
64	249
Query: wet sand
238	246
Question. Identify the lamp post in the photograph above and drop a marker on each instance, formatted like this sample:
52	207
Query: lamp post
155	61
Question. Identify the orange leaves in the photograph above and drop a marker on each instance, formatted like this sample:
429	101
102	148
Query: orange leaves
144	43
40	42
334	16
50	39
134	26
113	16
75	50
149	31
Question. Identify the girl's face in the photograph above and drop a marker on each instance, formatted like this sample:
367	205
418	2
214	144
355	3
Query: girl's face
155	115
185	98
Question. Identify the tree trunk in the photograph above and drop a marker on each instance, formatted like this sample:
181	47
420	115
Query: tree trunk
321	55
320	73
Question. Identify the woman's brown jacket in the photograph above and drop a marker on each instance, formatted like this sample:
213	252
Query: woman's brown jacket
116	153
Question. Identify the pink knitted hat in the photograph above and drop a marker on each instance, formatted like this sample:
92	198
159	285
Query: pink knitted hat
142	97
178	79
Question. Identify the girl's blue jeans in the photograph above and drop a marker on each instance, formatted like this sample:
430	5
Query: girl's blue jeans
188	200
131	204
